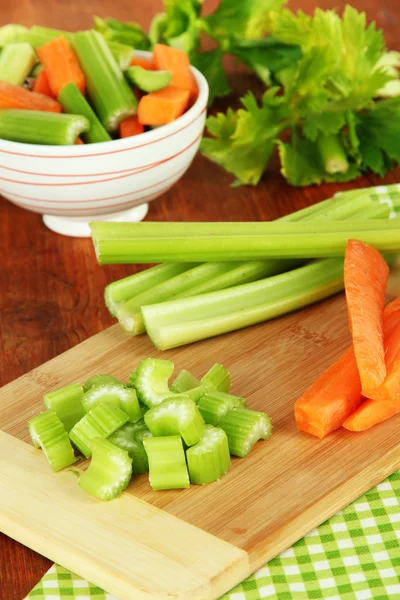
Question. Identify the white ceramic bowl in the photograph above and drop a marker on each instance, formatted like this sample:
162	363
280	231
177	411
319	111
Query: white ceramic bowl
72	185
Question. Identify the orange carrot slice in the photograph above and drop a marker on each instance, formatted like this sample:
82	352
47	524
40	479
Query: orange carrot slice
331	398
13	96
61	64
163	106
130	126
166	58
79	142
42	86
370	413
138	61
365	278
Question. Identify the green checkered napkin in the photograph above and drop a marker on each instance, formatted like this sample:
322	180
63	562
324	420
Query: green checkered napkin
353	556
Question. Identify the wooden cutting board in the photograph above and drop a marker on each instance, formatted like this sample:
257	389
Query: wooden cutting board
194	544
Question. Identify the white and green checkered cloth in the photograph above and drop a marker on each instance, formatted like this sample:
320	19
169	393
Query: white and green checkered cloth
355	555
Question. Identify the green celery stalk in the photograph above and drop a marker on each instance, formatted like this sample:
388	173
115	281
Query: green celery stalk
67	404
48	433
114	394
50	32
209	459
244	428
148	81
9	33
118	292
122	53
198	392
107	88
214	406
38	127
150	379
109	471
130	437
179	322
32	38
167	463
100	379
175	416
217	378
100	422
184	382
332	154
74	102
16	62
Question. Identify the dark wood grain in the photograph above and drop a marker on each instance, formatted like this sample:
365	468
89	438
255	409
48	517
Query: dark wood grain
51	288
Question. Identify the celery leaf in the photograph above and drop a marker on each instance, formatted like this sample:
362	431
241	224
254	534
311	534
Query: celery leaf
210	64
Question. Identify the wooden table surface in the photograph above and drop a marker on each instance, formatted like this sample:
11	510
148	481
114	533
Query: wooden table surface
51	288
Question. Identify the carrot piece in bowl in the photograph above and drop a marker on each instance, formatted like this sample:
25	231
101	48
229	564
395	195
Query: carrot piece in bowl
13	96
42	86
130	126
163	106
138	61
177	62
61	64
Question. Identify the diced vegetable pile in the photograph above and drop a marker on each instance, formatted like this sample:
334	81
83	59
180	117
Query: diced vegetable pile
219	277
61	88
181	433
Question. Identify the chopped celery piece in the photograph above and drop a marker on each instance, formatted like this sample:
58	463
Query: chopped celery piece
109	471
100	379
67	404
217	378
114	394
107	88
118	292
48	433
183	382
209	459
150	379
39	127
196	393
214	406
16	62
244	428
122	53
130	438
32	38
179	322
148	242
74	102
148	81
176	416
167	463
101	421
9	33
51	33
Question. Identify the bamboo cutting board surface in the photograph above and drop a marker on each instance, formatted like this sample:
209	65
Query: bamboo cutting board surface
194	544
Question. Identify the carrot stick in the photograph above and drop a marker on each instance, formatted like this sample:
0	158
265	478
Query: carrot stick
331	398
13	96
138	61
130	126
370	413
163	106
365	278
166	58
42	86
61	64
79	142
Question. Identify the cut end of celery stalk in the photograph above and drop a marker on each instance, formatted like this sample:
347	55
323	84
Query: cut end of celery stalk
174	416
16	62
209	459
101	422
244	428
67	404
150	380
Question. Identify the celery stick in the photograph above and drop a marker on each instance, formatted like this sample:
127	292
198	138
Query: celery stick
332	154
167	463
101	422
48	433
179	322
244	428
130	437
183	382
147	242
33	39
114	394
74	102
150	379
209	459
217	378
122	53
176	416
148	81
51	33
39	127
107	88
118	292
9	33
109	471
67	404
100	379
16	62
198	392
214	406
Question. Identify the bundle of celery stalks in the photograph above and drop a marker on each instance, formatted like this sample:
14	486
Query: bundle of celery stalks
182	434
219	277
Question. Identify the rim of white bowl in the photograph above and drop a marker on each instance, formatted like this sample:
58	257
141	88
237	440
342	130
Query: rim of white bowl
121	145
